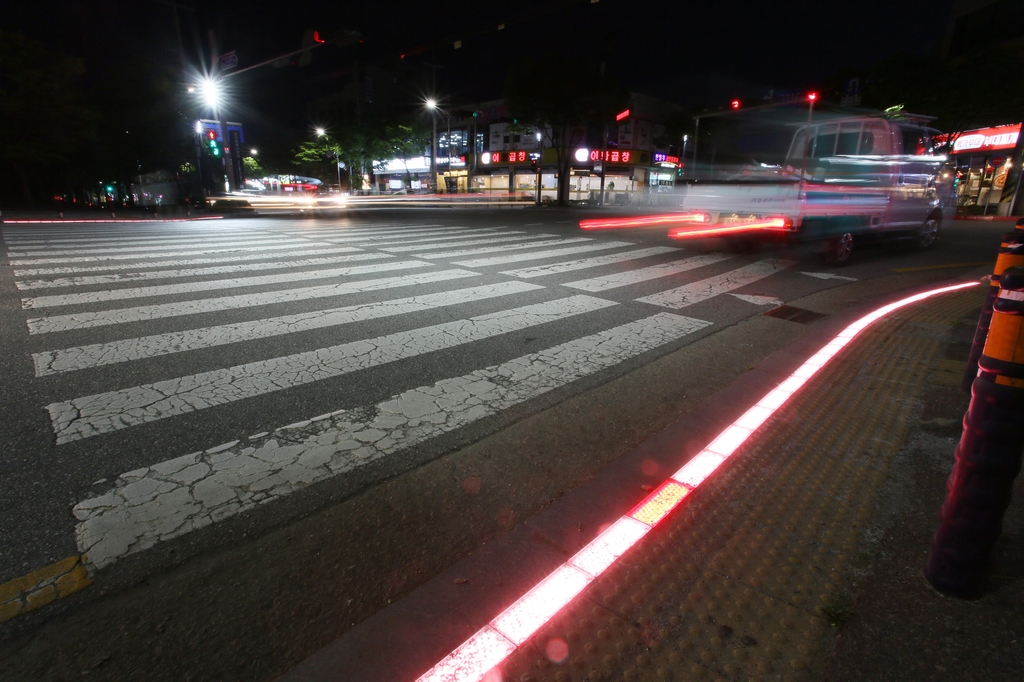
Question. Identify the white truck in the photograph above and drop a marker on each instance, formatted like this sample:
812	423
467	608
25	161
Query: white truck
852	179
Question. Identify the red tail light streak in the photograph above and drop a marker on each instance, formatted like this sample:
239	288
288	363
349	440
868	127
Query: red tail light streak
497	640
643	221
769	224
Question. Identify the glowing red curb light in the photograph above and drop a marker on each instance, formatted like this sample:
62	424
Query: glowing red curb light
473	659
537	606
609	546
496	641
621	115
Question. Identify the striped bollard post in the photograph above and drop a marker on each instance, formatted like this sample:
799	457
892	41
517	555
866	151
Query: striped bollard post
988	457
1011	254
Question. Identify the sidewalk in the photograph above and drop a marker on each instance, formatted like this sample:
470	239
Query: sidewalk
800	558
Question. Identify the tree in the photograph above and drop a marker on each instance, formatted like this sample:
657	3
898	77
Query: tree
565	98
402	142
318	157
957	92
45	121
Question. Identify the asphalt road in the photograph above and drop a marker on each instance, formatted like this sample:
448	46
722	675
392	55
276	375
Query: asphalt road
183	400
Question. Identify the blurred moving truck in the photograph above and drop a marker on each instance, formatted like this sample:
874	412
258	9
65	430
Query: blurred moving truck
844	180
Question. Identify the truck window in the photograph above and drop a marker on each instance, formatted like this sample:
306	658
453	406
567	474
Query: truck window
914	142
849	135
873	140
824	142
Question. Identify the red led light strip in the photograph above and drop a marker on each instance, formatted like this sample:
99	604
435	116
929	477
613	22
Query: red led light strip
117	220
772	224
642	221
497	640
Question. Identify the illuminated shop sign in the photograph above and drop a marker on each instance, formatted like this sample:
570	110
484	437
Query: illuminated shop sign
514	156
985	139
661	157
611	155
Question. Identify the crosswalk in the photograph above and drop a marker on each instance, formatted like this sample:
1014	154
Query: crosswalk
215	317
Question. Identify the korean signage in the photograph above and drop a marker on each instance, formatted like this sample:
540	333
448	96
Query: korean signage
985	139
662	157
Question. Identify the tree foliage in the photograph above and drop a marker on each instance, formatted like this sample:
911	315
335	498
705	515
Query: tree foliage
978	90
566	101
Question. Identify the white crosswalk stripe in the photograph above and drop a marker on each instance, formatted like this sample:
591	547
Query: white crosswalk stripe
85	320
95	414
538	255
127	276
213	285
95	355
530	245
262	257
156	250
622	279
585	263
372	299
196	490
687	295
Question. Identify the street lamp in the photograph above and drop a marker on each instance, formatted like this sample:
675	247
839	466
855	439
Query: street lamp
431	105
211	93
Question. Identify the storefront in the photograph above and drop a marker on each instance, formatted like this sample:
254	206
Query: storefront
986	162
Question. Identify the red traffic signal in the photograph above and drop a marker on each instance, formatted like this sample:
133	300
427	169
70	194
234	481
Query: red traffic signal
211	134
812	96
735	104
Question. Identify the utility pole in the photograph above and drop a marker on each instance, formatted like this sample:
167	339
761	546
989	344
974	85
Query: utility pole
229	168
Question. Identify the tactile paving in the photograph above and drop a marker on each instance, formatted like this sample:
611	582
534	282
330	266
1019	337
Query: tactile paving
736	582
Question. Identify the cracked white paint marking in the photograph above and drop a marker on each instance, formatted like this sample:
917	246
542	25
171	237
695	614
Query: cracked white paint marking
105	412
471	242
531	245
702	290
78	240
281	250
537	255
213	285
178	496
57	323
584	263
126	242
828	275
405	235
95	355
432	236
262	257
87	250
128	276
623	279
759	300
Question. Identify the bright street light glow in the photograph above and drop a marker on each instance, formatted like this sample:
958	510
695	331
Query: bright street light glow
320	132
210	94
199	127
252	152
431	104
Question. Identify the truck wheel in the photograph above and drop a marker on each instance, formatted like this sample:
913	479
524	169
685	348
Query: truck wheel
838	250
927	234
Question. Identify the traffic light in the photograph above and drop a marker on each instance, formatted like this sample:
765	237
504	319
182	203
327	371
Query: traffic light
735	104
535	165
211	142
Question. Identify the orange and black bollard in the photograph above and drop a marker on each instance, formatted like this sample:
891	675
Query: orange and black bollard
1011	254
988	457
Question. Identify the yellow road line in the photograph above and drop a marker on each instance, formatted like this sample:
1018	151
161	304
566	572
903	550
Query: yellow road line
42	586
944	266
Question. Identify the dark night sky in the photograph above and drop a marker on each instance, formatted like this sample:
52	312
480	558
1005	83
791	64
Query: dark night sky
695	53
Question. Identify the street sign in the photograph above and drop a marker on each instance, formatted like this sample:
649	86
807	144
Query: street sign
853	87
228	61
997	161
